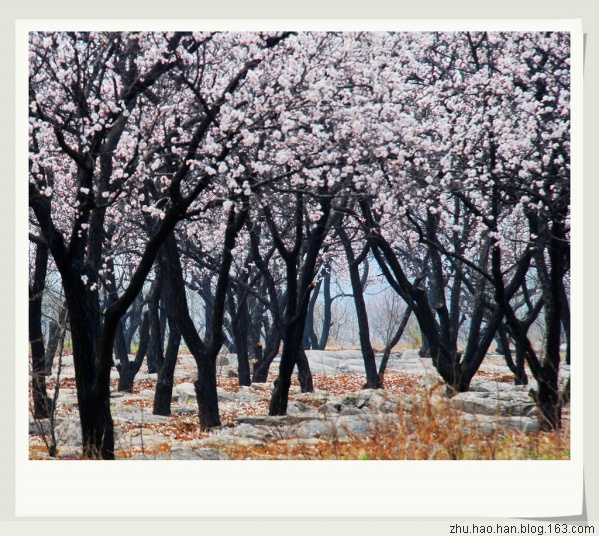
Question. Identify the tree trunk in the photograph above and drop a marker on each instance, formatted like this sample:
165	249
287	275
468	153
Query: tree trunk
280	395
516	368
304	374
54	334
41	401
547	400
155	347
327	306
94	407
298	299
129	369
391	344
266	358
206	392
239	327
258	360
373	381
166	374
134	318
310	341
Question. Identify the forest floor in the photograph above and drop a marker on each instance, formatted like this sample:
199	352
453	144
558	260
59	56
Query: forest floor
421	425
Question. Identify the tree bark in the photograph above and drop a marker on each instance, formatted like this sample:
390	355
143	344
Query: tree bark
129	369
166	374
41	401
240	322
54	334
304	374
393	342
327	306
373	380
297	297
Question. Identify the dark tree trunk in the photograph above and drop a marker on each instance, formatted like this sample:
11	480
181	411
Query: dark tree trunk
205	355
166	374
51	345
565	394
517	367
205	386
547	396
94	411
373	380
206	293
266	358
41	401
134	320
391	344
297	297
327	306
545	372
273	333
520	375
258	360
547	400
239	326
127	375
310	340
54	334
566	320
129	369
304	374
155	348
425	347
206	392
280	395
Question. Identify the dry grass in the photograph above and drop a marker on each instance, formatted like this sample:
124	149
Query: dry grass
425	430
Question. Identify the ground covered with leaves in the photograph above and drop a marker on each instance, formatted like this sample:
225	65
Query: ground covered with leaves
426	428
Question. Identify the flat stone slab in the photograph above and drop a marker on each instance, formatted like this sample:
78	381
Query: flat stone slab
265	420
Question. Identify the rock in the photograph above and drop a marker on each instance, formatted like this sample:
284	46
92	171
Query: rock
353	425
258	420
383	401
303	417
65	361
243	395
494	398
339	426
332	407
186	393
220	440
40	427
487	424
66	397
316	428
316	398
141	438
250	431
149	394
134	415
184	410
367	400
350	411
68	433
